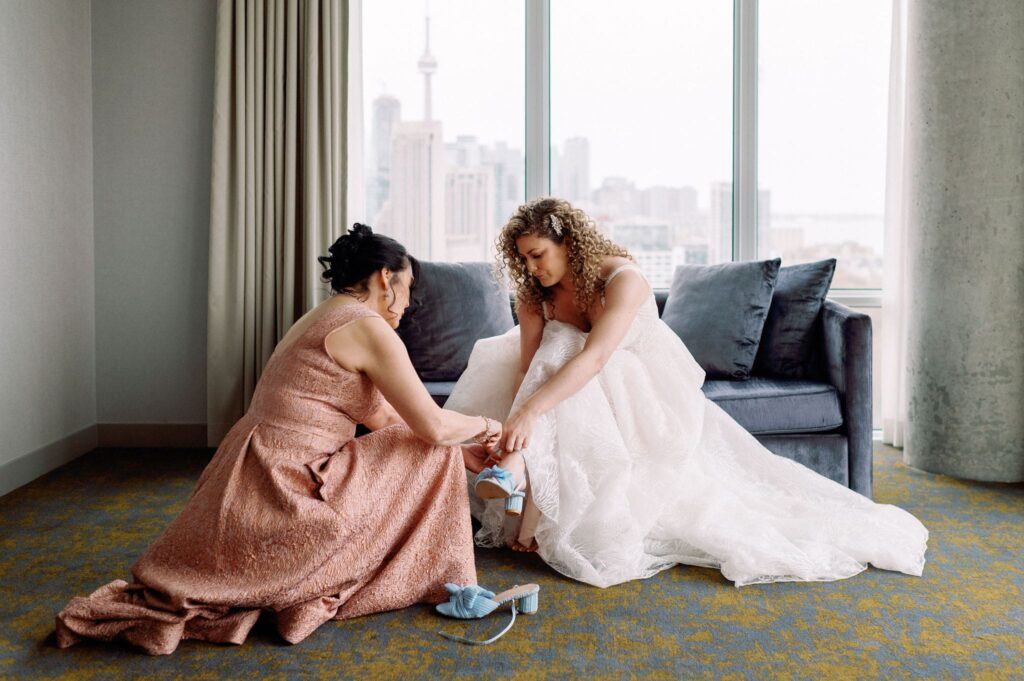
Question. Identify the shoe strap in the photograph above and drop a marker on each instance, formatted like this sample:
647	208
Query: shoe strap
473	642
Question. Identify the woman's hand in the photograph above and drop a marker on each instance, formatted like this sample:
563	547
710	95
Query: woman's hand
474	457
490	439
518	430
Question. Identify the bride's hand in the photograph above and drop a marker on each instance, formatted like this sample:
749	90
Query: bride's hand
518	431
493	446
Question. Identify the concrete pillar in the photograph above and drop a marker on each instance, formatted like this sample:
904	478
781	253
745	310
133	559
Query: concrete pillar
965	150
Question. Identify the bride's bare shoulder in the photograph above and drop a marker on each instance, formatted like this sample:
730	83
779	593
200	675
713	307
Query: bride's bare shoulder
610	262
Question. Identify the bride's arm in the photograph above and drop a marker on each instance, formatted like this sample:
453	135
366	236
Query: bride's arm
531	328
623	299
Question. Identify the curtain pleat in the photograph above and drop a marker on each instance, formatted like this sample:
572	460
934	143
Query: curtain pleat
894	396
278	183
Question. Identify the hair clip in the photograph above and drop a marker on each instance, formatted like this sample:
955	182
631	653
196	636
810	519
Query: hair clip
556	224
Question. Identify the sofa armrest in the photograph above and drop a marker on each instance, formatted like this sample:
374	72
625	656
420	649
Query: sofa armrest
847	365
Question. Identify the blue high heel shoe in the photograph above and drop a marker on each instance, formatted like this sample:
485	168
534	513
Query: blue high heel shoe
497	483
474	602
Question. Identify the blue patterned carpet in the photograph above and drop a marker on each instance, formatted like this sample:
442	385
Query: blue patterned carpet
83	525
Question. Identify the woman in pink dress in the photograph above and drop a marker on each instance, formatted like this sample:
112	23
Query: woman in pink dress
296	516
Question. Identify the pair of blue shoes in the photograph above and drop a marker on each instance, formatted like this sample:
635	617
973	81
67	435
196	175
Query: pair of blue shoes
474	602
497	483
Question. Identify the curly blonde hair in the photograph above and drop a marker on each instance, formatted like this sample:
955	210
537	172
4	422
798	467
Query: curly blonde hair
586	248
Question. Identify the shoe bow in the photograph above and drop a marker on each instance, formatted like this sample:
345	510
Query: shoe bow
463	599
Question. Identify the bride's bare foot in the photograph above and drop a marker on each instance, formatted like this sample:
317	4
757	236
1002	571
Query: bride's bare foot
525	542
516	546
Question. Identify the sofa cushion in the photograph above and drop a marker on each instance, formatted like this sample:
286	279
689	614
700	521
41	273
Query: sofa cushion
719	310
778	405
440	390
453	306
791	330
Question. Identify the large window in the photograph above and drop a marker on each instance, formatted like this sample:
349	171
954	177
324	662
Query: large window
693	132
444	123
822	84
641	125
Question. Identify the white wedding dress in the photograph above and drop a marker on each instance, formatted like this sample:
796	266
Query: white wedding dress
639	471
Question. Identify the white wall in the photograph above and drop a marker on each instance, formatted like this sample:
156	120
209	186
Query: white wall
152	73
47	280
105	133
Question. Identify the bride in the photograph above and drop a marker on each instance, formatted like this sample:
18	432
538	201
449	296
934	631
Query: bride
627	468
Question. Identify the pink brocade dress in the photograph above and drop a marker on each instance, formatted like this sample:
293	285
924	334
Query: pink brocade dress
296	516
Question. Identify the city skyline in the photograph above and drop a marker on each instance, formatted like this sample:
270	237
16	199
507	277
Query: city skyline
662	226
447	197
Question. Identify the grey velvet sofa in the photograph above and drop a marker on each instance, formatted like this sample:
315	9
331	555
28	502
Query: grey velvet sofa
823	423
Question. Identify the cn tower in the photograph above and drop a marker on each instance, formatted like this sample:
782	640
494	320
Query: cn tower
428	65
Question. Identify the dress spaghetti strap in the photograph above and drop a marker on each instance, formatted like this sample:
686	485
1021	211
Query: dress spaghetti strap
620	269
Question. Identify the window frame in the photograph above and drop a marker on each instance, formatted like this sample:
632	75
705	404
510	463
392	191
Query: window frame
537	141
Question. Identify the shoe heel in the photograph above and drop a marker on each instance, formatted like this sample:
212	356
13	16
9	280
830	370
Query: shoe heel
514	505
528	604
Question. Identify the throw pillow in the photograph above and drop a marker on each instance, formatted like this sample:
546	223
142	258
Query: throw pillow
791	330
453	306
719	310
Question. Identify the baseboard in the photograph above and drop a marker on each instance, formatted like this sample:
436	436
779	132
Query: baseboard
28	467
152	435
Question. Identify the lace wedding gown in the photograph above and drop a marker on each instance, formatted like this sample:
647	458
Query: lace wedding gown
639	471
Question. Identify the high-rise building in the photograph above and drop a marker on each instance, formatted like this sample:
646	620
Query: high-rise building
676	206
469	212
387	112
416	207
617	198
509	182
414	213
571	171
469	198
720	222
691	254
464	152
657	266
642	236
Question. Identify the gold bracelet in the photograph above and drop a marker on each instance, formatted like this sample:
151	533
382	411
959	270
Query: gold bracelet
481	439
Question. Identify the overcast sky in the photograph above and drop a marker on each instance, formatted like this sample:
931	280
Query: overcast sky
649	83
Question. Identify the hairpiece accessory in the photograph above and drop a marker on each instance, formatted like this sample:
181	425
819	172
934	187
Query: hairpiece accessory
556	224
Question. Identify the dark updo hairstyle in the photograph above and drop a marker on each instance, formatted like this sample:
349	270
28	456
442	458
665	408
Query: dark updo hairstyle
356	256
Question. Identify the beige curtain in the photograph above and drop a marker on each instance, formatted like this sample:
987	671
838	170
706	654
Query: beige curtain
895	294
278	183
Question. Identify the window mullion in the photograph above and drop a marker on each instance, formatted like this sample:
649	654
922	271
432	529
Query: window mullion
744	154
538	98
